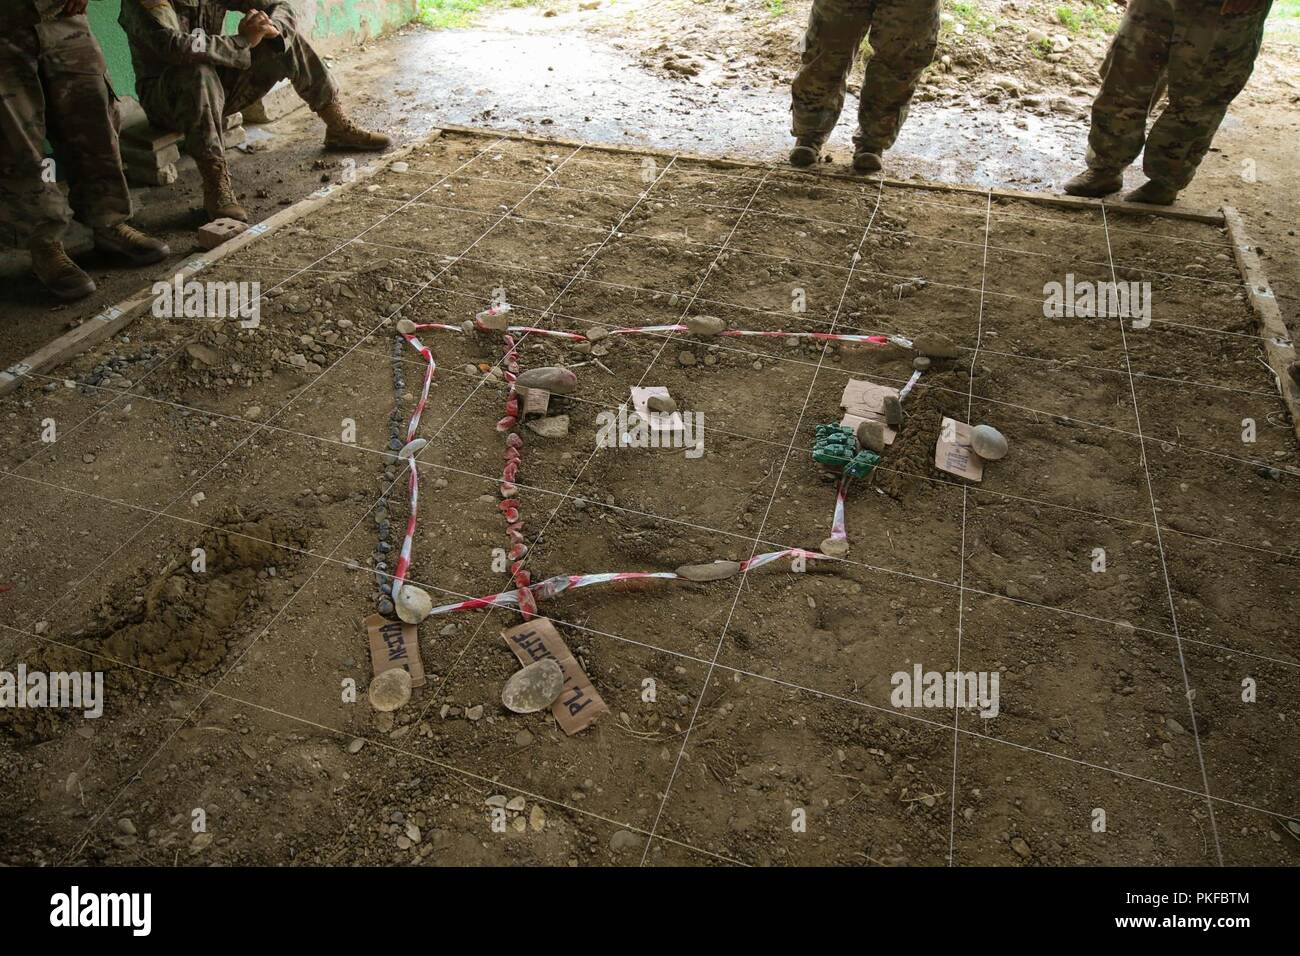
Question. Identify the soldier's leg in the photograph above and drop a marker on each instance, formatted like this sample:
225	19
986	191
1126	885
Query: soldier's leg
289	56
82	122
1130	74
30	200
835	30
903	36
191	99
1211	59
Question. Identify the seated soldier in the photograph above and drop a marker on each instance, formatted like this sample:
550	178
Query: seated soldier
190	75
54	83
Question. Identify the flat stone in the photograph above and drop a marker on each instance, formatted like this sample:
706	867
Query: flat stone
625	840
705	324
987	442
686	357
390	690
893	411
557	426
661	403
935	345
835	547
413	604
871	435
551	378
534	687
713	571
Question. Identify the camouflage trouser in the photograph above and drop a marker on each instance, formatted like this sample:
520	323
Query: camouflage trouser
192	98
903	37
54	84
1204	57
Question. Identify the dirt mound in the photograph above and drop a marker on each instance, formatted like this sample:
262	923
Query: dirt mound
182	628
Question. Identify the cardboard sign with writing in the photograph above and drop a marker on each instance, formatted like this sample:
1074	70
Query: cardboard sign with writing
953	453
578	705
394	644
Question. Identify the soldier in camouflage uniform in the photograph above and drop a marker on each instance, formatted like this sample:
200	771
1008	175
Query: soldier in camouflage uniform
189	76
903	36
54	84
1205	51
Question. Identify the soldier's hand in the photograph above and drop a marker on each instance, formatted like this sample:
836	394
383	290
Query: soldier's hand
256	27
75	8
1232	8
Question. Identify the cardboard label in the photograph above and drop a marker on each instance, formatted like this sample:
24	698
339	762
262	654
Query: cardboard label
536	401
866	401
953	453
578	705
394	644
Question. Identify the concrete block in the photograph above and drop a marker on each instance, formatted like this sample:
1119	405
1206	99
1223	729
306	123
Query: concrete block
219	231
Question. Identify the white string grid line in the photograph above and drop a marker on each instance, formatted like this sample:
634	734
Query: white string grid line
648	370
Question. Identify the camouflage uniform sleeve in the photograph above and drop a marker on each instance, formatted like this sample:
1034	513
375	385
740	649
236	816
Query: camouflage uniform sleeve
153	26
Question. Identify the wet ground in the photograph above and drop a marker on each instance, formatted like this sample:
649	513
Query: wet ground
537	74
576	75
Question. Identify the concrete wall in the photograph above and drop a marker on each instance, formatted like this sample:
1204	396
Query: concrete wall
332	25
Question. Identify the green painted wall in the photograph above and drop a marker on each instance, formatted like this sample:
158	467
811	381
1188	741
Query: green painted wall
332	25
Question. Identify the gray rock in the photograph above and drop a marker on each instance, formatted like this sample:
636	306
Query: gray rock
534	687
935	345
705	324
557	426
713	571
551	378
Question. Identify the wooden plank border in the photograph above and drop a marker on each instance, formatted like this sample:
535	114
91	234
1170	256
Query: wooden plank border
116	317
1044	199
1278	344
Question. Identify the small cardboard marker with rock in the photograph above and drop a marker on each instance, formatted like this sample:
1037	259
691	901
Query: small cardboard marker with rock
664	425
962	450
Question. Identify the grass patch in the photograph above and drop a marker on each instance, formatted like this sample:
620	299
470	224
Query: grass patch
1284	20
447	14
1091	16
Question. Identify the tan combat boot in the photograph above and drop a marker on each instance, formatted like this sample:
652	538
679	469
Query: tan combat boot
807	150
57	272
342	133
131	244
219	197
1153	193
1095	183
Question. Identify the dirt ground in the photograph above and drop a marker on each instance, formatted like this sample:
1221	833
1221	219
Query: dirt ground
227	689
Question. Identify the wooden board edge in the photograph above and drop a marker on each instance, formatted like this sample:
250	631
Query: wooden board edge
1046	199
118	316
1278	344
